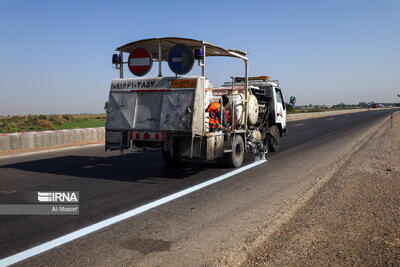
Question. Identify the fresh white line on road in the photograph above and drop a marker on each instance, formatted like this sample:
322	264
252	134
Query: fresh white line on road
298	124
123	216
48	151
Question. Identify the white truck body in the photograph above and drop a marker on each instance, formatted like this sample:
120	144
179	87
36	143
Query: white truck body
170	112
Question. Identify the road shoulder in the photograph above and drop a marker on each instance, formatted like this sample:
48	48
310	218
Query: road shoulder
353	219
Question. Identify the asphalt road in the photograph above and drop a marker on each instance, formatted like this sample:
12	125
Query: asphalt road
111	183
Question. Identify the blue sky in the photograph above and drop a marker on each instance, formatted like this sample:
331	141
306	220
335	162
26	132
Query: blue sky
56	55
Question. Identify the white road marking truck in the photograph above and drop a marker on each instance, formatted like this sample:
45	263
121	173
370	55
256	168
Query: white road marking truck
169	113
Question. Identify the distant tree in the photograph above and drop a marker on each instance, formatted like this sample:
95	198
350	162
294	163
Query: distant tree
362	104
340	105
290	109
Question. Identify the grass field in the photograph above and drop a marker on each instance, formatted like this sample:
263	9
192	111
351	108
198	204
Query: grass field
50	122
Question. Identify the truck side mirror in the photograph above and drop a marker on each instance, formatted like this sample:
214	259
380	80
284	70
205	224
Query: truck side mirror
292	101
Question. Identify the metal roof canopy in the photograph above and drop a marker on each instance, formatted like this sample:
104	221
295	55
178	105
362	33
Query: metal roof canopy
160	47
166	43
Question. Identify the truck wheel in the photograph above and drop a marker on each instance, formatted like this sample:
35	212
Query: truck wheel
171	161
234	159
274	139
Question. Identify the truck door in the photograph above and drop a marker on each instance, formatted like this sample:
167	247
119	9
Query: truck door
280	108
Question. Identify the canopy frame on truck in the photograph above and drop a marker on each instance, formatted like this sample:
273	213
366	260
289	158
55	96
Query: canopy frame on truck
160	47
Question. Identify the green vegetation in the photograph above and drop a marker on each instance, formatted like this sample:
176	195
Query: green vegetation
49	122
290	109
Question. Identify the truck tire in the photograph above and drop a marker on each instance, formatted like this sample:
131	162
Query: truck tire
171	161
234	159
273	139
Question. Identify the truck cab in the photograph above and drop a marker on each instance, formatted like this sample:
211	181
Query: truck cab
272	110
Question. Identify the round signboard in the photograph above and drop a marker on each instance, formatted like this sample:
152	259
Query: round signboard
180	59
140	61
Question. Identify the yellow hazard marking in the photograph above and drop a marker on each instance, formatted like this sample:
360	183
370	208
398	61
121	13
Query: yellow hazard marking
182	84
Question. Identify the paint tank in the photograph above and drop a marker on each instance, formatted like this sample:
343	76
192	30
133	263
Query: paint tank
253	109
237	101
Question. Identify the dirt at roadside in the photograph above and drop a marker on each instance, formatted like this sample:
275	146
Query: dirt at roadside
354	219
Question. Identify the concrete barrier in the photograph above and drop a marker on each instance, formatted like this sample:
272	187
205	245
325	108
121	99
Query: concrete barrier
310	115
5	142
47	139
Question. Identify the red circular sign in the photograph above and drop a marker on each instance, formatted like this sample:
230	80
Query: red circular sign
140	61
